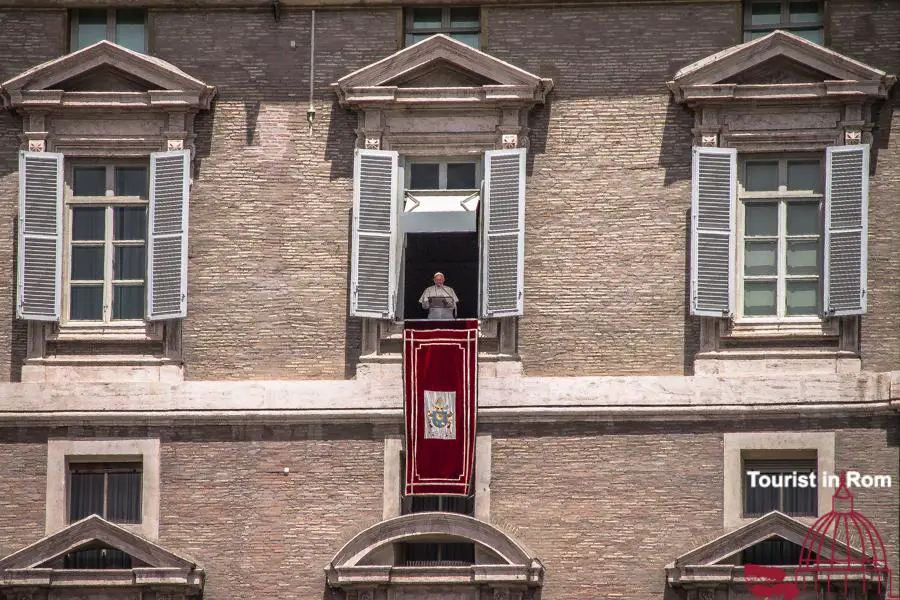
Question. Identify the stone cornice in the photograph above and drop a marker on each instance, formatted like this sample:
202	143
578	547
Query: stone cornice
503	398
707	576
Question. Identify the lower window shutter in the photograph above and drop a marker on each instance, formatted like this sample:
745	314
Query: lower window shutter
846	229
373	272
167	240
503	233
39	288
713	202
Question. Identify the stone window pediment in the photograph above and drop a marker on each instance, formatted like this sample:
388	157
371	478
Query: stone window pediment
372	561
42	564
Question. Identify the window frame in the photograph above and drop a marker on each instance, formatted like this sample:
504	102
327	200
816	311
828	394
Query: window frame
442	162
108	202
77	464
782	196
784	22
111	18
445	26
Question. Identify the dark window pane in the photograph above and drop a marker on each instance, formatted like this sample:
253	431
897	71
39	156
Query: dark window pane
123	504
90	27
88	224
805	12
89	181
129	262
421	554
426	18
424	176
772	552
87	263
416	38
459	554
765	13
455	504
816	36
425	504
130	223
85	495
759	500
128	302
465	17
99	558
131	181
86	303
461	176
469	39
130	29
801	502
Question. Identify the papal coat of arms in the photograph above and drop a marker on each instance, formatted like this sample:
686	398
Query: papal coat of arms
440	410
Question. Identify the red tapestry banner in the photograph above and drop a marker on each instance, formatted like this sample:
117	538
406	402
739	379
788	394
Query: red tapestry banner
440	382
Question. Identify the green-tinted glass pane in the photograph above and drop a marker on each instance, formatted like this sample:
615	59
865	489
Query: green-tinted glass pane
129	262
465	17
761	218
804	175
426	18
88	223
765	13
132	181
749	36
759	298
803	218
461	176
128	302
89	181
816	36
803	257
424	176
86	303
805	12
761	177
469	39
130	29
90	27
802	298
416	38
760	258
87	263
130	223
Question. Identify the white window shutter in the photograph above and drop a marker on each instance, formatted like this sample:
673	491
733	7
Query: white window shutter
846	229
373	271
503	233
713	200
39	289
170	174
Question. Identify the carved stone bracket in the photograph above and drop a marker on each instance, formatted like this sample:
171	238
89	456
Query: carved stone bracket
37	146
174	145
853	136
709	139
373	143
510	141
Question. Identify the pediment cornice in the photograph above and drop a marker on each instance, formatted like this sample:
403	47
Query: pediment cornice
43	86
715	78
381	84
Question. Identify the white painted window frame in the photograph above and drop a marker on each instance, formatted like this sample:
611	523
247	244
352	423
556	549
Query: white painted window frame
60	452
771	443
780	196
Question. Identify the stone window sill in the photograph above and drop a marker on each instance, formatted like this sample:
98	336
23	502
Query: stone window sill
107	332
767	329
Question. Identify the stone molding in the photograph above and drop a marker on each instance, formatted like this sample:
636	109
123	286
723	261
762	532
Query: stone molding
26	570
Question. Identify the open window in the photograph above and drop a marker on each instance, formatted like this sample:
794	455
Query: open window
438	215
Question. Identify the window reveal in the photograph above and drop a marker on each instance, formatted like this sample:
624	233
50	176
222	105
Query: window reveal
123	26
462	23
804	18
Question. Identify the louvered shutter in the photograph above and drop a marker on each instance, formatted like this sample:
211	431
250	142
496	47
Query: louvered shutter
503	233
846	229
167	253
39	289
373	273
713	201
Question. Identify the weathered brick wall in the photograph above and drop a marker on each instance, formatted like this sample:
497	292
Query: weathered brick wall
27	38
868	30
606	271
23	488
606	507
270	207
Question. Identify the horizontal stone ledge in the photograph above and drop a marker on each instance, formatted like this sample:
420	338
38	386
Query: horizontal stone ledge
534	414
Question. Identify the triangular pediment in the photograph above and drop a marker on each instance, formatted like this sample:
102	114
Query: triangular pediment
774	525
441	63
780	58
106	67
92	533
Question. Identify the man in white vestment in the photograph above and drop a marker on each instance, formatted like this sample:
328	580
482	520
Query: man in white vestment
439	300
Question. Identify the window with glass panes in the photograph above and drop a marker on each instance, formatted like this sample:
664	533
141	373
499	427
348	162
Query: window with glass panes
462	23
106	243
112	491
780	243
126	27
801	17
793	500
442	175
